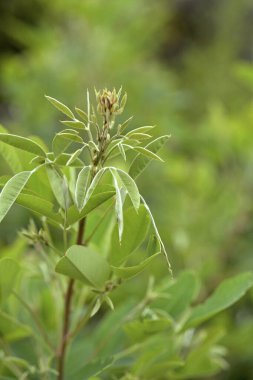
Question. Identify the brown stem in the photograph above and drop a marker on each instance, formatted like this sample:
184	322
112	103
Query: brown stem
67	311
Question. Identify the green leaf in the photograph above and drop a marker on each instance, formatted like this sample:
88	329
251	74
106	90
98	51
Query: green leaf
129	272
82	182
40	206
140	162
83	264
74	156
122	126
11	191
10	155
135	230
59	187
22	143
227	293
179	294
11	329
122	151
140	136
94	201
9	270
118	205
63	140
146	152
130	187
63	158
140	130
74	124
81	113
61	107
94	184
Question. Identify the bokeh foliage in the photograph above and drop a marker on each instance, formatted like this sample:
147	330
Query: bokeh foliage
186	66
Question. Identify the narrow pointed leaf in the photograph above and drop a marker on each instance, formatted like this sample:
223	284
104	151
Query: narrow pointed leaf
82	183
11	191
22	143
130	187
81	113
140	130
140	161
118	205
129	272
147	153
94	184
157	234
74	156
61	107
73	124
122	151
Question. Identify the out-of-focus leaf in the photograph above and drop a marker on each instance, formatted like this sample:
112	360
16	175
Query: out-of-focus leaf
9	270
227	293
11	329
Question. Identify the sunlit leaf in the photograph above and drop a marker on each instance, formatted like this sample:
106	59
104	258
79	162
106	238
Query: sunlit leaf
82	183
61	107
22	143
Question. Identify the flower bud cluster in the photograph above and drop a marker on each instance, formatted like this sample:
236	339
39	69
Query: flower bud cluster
109	103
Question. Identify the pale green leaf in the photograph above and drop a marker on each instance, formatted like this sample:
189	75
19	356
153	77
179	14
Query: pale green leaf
59	187
140	130
227	293
140	161
82	183
11	191
118	205
81	113
146	152
22	143
122	151
10	155
84	264
94	184
130	186
157	234
74	124
74	156
61	107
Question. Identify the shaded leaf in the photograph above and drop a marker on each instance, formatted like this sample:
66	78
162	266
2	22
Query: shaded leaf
130	187
9	270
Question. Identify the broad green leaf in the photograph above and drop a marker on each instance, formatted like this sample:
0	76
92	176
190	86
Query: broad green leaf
129	272
140	161
11	191
135	230
61	107
82	182
73	124
9	270
84	264
130	187
94	201
11	329
227	293
157	234
40	207
118	205
22	143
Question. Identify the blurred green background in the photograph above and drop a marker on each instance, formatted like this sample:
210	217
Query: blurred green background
187	67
